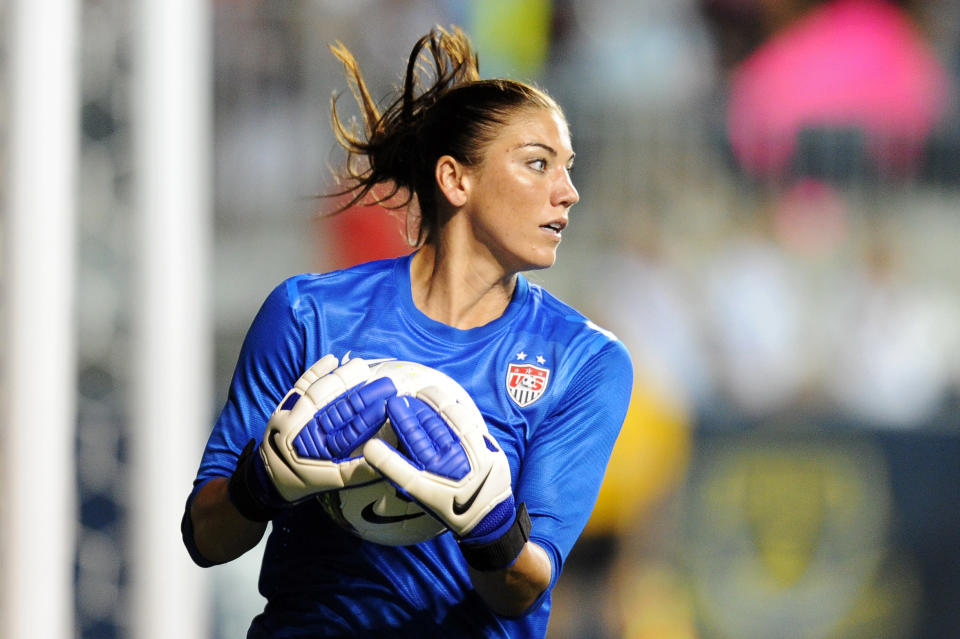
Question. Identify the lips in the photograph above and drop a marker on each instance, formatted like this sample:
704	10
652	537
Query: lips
555	226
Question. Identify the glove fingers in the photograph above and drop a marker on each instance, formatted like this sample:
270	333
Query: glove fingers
354	372
370	399
404	416
319	423
436	397
428	440
461	418
301	411
367	407
323	366
328	388
390	463
357	472
437	429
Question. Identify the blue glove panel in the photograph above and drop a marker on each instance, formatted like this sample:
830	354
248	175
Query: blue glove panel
494	524
346	422
427	440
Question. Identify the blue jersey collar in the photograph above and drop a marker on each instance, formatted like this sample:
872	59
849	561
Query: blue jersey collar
444	332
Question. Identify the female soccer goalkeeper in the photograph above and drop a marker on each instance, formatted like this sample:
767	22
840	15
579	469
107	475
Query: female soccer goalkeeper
487	165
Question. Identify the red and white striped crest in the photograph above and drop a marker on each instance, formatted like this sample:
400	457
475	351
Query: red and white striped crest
526	383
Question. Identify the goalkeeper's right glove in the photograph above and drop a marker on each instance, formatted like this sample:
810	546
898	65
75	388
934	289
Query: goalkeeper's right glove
452	466
310	441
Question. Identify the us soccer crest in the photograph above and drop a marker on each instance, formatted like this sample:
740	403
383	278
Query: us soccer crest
527	382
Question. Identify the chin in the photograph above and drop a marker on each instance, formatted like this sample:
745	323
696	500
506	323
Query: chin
530	260
541	262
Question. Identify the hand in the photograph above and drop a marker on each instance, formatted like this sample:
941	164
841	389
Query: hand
455	469
310	441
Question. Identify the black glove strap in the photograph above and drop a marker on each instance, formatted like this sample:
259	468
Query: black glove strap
502	552
240	487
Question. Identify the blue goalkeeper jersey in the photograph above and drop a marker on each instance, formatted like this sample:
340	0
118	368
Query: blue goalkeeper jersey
552	386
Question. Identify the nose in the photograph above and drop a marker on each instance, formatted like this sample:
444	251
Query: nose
565	193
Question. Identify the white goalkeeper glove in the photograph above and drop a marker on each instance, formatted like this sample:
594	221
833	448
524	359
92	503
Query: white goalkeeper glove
450	464
311	441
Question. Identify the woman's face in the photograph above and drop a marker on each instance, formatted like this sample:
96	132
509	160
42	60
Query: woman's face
521	192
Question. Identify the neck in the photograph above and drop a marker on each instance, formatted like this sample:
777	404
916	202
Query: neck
458	291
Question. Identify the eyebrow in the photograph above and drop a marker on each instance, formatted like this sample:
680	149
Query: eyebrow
546	147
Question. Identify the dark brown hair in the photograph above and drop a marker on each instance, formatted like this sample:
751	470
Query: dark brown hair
444	108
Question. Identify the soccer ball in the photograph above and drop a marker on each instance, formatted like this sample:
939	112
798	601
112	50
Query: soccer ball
377	512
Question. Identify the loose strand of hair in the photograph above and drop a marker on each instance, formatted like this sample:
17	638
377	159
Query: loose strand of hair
357	84
453	63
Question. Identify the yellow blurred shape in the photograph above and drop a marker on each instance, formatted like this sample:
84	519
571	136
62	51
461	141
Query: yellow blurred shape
655	603
512	36
649	459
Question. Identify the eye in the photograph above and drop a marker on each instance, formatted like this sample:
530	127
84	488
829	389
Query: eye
538	164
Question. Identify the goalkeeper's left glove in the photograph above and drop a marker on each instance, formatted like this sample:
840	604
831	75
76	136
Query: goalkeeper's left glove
454	468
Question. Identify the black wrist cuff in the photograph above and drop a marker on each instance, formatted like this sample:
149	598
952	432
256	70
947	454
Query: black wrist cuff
502	552
240	487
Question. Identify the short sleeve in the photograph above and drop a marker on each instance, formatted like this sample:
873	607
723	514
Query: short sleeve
271	359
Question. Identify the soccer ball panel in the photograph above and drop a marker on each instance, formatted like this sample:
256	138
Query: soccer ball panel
376	512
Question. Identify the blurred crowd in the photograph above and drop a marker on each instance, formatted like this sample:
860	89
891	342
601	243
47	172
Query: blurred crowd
767	184
768	219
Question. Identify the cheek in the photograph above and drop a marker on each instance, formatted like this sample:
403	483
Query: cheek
507	200
520	198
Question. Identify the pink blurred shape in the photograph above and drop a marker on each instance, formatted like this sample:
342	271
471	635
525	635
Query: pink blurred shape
851	63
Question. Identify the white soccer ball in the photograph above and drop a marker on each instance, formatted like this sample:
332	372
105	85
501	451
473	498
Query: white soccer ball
377	512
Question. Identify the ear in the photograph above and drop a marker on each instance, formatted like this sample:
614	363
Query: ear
452	180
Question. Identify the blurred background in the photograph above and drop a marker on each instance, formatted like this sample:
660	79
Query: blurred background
769	219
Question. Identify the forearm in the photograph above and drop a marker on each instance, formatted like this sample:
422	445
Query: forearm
512	590
220	532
